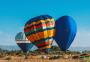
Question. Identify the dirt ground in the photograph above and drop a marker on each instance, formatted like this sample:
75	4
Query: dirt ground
41	60
38	59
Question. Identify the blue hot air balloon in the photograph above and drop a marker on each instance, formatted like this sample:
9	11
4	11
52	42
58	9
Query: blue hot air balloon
65	32
22	42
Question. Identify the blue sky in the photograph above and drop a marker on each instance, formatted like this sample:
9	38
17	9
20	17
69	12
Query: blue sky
15	13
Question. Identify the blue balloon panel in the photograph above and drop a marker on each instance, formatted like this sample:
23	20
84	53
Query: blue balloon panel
65	32
25	46
22	42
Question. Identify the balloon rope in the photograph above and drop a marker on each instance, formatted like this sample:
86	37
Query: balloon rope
26	53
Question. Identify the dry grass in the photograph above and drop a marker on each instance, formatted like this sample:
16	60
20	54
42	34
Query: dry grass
38	59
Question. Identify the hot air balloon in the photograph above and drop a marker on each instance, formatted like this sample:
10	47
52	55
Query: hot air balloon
22	42
40	31
65	32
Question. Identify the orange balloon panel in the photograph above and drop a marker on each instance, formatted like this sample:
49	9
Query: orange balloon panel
40	31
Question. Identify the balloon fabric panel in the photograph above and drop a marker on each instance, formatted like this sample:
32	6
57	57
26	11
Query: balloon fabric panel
25	46
65	32
41	33
22	42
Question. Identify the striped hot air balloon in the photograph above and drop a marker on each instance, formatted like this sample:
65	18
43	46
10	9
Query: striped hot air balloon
40	31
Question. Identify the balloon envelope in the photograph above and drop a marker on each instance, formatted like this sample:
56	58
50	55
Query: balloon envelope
22	42
40	31
65	32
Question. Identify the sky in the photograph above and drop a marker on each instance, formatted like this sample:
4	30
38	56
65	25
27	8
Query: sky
15	13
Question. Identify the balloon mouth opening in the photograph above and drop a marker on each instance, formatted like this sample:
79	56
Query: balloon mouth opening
46	50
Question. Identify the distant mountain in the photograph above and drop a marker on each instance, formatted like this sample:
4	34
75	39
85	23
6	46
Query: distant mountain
79	48
15	47
9	47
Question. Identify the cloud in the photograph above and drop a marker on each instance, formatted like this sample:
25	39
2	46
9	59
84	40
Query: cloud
1	32
82	39
6	39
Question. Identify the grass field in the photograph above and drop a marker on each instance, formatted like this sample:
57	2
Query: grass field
37	59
